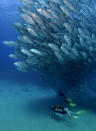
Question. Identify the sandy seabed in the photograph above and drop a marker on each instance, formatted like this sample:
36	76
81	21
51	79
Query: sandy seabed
27	108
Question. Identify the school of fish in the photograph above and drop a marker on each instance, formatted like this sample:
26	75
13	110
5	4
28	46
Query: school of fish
55	36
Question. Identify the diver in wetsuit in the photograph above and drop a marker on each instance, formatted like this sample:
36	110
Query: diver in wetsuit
62	110
58	109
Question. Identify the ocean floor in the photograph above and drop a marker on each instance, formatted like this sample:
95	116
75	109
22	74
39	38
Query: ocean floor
27	108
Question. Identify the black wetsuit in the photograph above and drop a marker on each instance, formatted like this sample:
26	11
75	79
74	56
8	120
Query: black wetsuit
58	109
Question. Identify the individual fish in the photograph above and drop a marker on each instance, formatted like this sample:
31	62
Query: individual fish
13	56
66	11
44	13
59	57
81	32
27	19
65	50
84	34
68	27
37	19
36	51
21	66
84	54
53	14
69	5
82	42
53	46
28	3
32	32
26	52
76	52
10	43
67	39
55	1
94	38
18	26
25	39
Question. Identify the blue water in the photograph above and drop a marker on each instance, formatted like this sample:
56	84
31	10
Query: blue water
9	15
24	100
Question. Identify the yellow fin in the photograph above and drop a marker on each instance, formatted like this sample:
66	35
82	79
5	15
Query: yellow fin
69	99
72	104
81	112
75	117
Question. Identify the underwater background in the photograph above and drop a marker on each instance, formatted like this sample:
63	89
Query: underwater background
26	98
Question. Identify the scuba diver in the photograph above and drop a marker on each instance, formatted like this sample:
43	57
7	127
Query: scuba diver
64	109
61	110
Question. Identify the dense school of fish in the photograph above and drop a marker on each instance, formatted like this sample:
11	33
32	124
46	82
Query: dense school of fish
55	34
